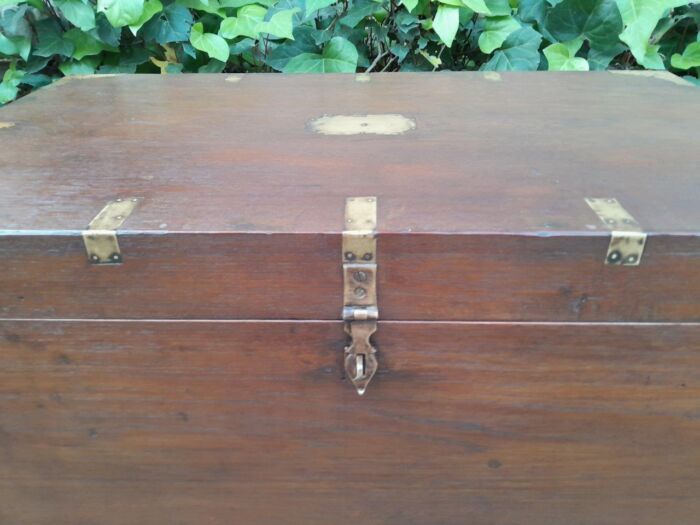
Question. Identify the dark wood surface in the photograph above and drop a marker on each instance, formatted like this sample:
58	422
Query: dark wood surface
481	207
285	276
514	155
236	422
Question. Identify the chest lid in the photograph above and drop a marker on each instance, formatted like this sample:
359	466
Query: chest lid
510	197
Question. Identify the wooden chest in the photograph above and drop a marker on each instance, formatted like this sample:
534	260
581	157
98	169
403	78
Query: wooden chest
196	272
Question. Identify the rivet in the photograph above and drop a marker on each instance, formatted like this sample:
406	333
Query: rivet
614	256
94	257
367	257
631	259
350	256
360	292
360	277
115	257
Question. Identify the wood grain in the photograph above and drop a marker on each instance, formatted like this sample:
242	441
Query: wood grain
514	155
243	422
299	276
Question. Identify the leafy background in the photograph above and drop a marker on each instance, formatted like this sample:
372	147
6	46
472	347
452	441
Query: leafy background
41	40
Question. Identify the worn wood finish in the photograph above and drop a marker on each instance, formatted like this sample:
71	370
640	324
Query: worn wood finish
285	276
177	387
514	155
241	202
250	422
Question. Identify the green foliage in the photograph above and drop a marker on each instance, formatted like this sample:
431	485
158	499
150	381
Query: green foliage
41	40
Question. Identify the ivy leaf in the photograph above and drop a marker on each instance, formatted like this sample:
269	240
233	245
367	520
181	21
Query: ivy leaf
150	8
121	13
498	7
689	58
478	6
446	23
359	11
314	5
280	24
519	52
77	13
496	30
171	25
303	43
562	57
640	18
9	86
15	46
85	44
213	45
599	59
213	66
87	66
596	20
13	22
408	4
105	32
339	56
51	40
246	22
213	7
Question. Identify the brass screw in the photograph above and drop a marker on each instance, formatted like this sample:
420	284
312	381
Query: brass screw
614	256
360	277
360	292
367	257
350	256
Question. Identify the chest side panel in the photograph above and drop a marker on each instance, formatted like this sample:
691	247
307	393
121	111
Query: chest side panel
155	422
420	277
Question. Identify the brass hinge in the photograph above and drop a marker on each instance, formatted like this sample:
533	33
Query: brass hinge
100	238
360	311
627	240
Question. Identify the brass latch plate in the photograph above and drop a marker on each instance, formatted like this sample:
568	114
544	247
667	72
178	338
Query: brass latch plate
627	240
360	288
100	238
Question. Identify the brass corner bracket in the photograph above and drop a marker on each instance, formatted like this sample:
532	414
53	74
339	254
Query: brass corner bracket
360	311
100	238
627	240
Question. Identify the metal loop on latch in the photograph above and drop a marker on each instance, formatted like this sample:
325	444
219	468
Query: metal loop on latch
360	361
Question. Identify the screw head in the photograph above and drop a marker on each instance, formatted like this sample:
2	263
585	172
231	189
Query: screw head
631	258
350	256
360	277
94	258
614	257
367	257
360	292
115	257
